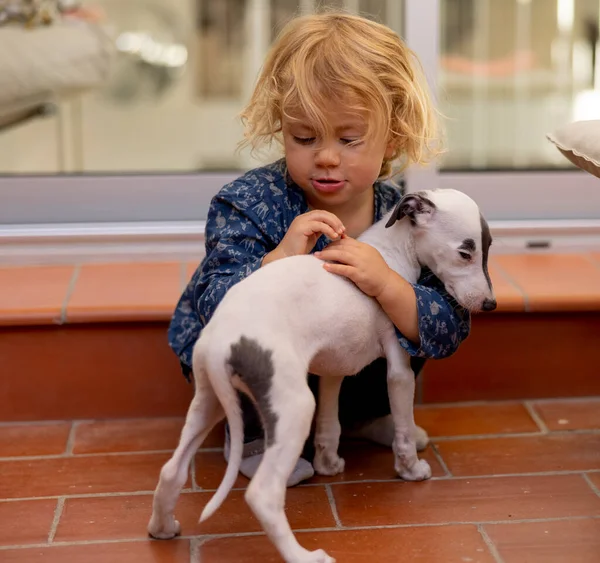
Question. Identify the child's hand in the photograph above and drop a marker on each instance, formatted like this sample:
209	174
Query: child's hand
304	232
359	262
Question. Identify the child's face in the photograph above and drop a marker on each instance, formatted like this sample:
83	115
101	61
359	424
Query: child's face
330	172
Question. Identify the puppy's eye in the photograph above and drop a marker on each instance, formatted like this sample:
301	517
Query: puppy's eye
464	255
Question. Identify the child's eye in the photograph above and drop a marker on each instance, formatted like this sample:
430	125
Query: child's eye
304	140
347	141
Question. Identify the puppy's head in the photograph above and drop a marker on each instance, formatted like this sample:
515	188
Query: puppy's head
452	239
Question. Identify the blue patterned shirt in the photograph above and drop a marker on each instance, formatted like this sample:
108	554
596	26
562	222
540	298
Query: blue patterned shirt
248	218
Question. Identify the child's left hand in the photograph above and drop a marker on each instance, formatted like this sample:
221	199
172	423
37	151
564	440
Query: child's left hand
359	262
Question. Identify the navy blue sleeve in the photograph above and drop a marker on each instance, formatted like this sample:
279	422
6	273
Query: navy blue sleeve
235	243
235	247
443	323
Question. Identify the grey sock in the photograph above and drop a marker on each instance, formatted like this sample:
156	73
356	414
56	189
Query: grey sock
303	470
253	453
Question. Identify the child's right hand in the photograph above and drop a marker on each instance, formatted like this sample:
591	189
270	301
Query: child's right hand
304	232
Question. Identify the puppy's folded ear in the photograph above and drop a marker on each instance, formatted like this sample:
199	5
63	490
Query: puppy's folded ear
415	206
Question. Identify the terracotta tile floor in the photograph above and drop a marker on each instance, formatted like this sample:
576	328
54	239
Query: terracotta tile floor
513	482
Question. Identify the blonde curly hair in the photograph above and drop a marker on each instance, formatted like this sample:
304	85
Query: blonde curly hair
365	65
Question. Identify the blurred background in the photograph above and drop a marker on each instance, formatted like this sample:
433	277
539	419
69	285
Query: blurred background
509	71
153	134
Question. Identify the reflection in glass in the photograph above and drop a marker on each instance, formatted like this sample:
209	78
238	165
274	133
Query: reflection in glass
183	72
512	71
220	45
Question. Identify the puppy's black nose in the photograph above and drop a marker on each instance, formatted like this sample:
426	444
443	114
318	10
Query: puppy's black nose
489	305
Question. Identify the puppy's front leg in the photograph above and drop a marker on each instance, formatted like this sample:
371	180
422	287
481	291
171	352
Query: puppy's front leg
328	429
401	390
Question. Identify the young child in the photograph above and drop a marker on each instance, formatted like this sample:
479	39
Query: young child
342	95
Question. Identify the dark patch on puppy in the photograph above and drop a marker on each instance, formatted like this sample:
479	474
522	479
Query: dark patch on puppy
468	244
486	242
254	366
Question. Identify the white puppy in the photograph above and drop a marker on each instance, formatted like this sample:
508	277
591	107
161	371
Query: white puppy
269	332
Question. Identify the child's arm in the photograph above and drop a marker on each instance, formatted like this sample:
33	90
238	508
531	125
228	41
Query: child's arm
441	323
236	241
429	323
235	246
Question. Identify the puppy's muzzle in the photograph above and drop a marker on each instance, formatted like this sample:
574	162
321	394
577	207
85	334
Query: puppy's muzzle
489	305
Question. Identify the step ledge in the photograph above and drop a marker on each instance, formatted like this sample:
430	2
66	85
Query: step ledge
148	291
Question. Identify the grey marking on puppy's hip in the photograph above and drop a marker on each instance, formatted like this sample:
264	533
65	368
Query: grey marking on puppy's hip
486	241
254	366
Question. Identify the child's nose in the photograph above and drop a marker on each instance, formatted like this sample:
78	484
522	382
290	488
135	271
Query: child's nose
327	156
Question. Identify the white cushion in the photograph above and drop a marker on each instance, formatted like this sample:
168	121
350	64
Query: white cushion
580	143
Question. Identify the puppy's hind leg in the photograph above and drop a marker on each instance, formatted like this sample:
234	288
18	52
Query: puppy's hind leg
204	412
293	404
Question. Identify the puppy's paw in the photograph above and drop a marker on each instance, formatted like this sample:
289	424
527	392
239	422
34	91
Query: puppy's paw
163	530
328	463
419	471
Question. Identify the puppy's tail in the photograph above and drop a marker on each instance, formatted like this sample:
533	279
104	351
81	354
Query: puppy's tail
225	391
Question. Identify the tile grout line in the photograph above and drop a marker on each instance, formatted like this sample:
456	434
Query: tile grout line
201	539
196	543
489	543
507	277
308	485
7	424
100	454
568	400
474	437
98	495
464	477
435	439
90	542
505	402
90	420
70	288
333	506
441	461
536	417
424	406
194	551
57	516
587	479
71	439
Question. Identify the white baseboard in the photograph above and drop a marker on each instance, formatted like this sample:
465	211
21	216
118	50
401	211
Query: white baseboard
184	241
